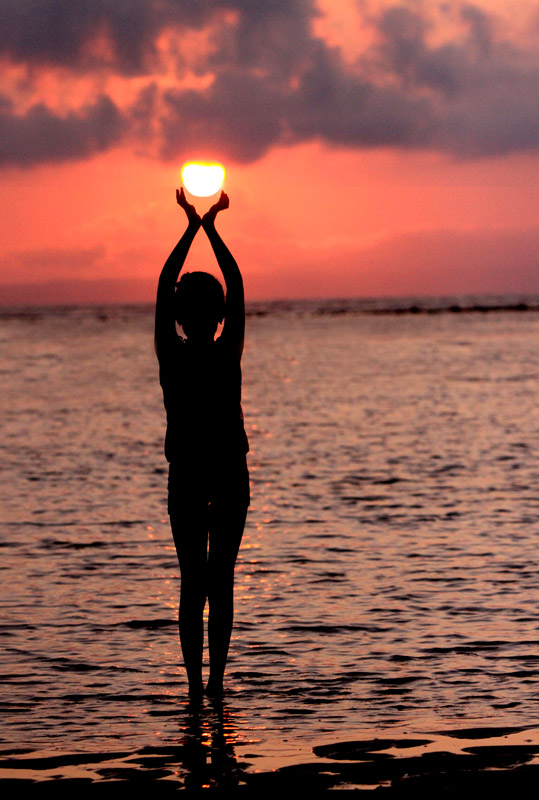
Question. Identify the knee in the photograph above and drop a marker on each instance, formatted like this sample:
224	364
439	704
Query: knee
220	570
220	586
192	595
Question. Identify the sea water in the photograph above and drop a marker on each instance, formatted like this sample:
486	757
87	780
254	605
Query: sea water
389	570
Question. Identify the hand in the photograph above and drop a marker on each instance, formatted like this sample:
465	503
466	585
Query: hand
189	209
220	205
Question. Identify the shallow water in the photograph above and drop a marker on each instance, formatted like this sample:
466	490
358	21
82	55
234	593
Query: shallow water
388	577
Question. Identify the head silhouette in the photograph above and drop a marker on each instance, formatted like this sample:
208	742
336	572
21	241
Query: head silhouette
200	305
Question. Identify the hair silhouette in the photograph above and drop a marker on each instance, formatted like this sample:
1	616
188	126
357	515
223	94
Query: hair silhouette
199	292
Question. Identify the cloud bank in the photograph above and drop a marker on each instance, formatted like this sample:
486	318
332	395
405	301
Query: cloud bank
437	262
238	77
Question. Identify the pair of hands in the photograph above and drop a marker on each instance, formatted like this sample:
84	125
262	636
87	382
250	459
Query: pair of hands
192	215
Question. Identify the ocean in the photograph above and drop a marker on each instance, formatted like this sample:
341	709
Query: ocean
387	586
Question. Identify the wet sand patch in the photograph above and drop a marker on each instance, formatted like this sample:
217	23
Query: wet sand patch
467	759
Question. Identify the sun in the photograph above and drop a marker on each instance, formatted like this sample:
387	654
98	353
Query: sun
202	180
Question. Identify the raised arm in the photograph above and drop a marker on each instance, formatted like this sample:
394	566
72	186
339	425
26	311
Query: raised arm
234	326
165	323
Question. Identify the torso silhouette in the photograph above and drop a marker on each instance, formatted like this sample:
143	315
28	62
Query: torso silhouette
202	396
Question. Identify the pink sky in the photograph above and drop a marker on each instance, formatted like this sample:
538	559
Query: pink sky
380	149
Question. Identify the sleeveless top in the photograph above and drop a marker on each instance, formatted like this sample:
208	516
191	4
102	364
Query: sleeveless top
202	396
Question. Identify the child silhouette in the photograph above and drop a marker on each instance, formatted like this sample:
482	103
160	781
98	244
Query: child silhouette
205	444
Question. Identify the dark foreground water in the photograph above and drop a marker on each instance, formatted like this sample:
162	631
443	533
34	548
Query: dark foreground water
388	581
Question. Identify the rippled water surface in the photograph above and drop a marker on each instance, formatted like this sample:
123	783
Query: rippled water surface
389	573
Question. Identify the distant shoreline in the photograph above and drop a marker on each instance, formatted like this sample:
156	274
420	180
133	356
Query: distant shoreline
466	304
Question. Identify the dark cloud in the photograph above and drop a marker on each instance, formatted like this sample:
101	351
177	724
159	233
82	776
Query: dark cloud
40	135
479	90
346	109
61	32
273	82
249	109
241	116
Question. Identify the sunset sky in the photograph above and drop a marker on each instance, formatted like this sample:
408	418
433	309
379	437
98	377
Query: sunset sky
373	148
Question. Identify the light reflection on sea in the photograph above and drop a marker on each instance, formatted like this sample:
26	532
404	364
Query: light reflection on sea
389	571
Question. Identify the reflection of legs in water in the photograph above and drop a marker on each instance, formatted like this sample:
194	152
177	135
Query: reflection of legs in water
206	753
190	532
227	521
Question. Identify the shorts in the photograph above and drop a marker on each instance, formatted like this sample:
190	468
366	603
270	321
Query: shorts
222	482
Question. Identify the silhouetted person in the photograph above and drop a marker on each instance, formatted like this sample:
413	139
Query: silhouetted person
206	444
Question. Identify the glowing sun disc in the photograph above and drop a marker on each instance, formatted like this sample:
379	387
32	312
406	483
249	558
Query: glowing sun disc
203	180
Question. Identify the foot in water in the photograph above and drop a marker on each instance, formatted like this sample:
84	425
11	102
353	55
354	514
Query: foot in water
214	689
195	695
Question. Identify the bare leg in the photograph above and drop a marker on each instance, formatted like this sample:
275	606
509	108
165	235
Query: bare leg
226	529
190	533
